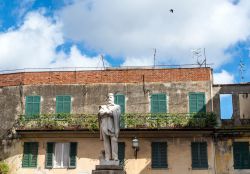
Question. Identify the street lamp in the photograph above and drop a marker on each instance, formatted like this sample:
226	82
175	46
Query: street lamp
135	145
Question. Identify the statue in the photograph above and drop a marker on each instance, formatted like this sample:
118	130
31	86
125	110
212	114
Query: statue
109	117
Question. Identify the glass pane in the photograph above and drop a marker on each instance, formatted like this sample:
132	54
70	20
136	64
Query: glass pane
65	154
58	155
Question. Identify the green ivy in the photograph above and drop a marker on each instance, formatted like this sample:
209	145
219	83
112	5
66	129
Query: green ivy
129	120
4	168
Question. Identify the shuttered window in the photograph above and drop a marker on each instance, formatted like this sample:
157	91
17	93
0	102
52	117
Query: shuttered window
32	106
63	104
158	103
241	155
121	153
120	100
199	155
30	152
72	155
197	102
61	155
159	154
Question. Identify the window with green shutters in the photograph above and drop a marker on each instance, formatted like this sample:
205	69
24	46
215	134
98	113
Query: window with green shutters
61	155
63	104
30	152
241	155
32	106
199	155
120	100
159	155
121	153
197	102
158	103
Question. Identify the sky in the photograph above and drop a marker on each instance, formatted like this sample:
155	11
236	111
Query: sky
75	33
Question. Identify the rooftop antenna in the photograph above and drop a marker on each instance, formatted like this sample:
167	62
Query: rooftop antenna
242	69
102	59
154	56
200	57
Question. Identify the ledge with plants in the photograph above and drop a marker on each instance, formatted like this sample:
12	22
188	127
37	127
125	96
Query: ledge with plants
128	121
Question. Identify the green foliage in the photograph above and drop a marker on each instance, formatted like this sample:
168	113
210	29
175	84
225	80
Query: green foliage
129	120
4	168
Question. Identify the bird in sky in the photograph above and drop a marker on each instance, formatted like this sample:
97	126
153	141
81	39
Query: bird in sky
171	10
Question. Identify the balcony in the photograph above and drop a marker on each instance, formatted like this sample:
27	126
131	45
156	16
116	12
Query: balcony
128	121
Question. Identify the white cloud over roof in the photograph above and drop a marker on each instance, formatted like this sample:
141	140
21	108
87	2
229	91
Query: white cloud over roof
223	77
134	28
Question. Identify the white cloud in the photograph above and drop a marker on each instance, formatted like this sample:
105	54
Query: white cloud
34	43
223	77
133	28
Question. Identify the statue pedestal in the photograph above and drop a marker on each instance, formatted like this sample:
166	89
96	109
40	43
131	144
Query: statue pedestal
108	169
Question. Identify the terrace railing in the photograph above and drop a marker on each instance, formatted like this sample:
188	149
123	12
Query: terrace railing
127	121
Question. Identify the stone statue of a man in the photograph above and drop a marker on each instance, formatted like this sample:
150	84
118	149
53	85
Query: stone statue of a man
109	117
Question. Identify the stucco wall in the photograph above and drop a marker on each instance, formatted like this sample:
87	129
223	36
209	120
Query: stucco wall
224	156
244	105
178	156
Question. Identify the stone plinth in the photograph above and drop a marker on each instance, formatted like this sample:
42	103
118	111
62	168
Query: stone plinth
108	169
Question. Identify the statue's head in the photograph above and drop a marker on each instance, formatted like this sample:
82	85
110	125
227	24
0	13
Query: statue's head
111	98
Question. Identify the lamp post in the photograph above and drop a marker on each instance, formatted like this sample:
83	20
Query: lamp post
135	145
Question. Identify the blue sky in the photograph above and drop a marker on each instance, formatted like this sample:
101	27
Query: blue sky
74	33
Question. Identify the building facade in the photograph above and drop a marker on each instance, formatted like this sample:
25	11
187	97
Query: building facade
49	121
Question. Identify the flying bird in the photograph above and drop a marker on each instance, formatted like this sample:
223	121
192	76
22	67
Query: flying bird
171	10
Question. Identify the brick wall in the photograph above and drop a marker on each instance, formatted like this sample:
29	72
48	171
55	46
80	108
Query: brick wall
106	76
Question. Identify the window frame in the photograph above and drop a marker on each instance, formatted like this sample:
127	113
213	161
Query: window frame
158	100
57	103
164	164
29	146
242	153
50	162
200	166
28	114
204	109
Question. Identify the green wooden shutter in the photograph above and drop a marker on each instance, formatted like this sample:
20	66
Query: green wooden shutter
25	162
63	104
32	106
241	155
159	154
121	153
72	155
120	100
199	155
30	154
197	102
158	103
49	155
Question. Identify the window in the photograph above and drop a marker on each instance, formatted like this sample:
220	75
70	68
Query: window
121	153
158	103
241	155
30	151
159	155
61	155
32	106
199	155
197	102
120	100
63	104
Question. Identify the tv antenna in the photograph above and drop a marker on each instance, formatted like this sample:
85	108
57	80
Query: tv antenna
200	56
154	57
103	63
242	69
